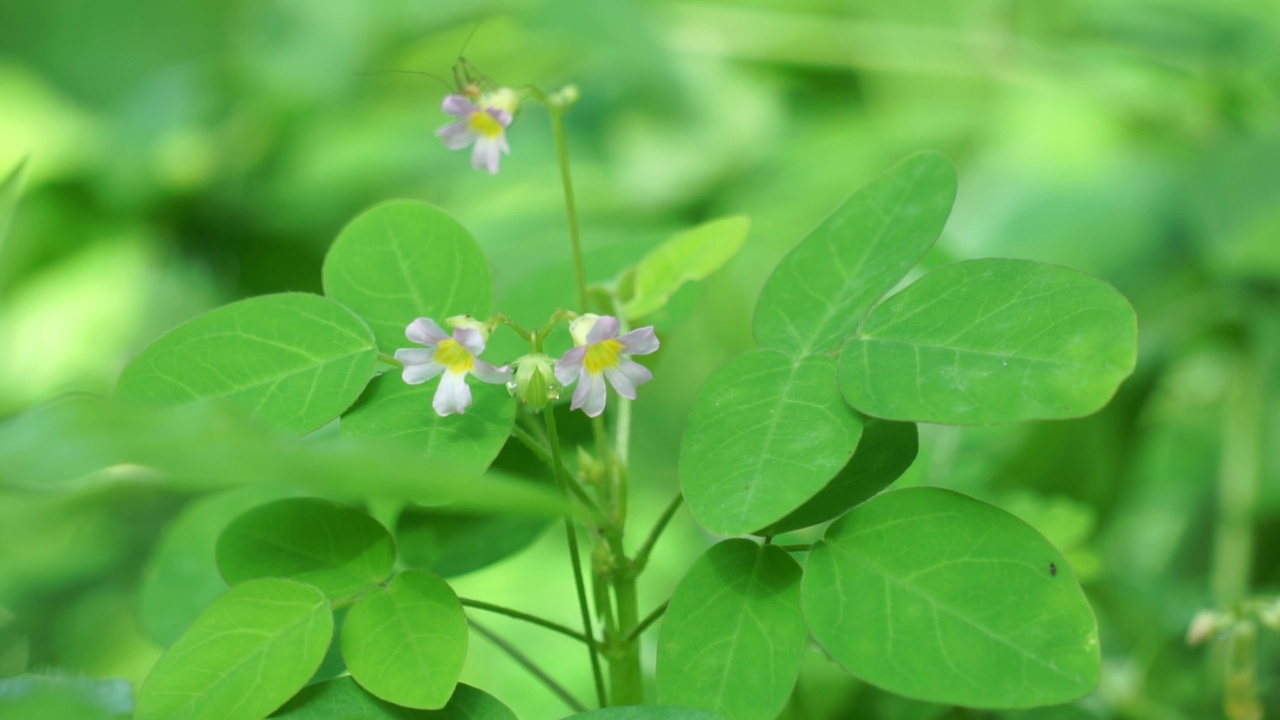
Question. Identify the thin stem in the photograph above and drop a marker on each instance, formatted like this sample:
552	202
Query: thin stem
563	481
570	205
1238	482
389	359
509	612
648	620
537	448
642	555
533	669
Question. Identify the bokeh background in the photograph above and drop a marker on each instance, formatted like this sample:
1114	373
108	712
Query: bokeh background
182	155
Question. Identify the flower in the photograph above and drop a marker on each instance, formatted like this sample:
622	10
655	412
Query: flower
484	124
454	356
600	354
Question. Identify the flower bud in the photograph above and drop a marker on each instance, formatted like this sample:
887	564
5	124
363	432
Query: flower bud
504	99
536	380
459	322
1205	625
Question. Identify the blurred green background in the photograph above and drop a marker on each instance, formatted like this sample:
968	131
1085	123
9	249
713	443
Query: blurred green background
182	155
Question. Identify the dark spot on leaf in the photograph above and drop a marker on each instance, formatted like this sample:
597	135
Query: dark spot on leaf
1053	570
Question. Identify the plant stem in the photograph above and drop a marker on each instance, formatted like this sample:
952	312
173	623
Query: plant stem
648	620
533	669
1238	481
389	359
642	555
570	205
563	481
537	448
509	612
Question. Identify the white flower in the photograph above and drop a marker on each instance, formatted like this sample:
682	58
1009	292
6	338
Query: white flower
484	125
454	356
601	354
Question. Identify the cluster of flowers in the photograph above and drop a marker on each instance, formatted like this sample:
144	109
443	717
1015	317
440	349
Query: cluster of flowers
599	353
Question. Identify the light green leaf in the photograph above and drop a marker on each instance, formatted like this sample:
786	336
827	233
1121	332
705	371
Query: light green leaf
765	434
390	409
936	596
181	578
345	700
406	643
733	636
10	191
886	450
244	657
647	712
336	548
821	289
294	360
690	255
991	341
55	697
406	259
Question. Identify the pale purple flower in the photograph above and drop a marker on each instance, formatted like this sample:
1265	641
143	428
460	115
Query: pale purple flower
454	356
599	355
484	126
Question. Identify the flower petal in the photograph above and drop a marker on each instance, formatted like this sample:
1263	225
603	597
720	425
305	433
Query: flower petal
453	395
627	376
502	116
415	356
457	135
418	374
469	338
639	342
589	395
568	367
605	328
458	105
425	331
490	374
486	154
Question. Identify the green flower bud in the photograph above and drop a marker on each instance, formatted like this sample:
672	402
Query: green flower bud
536	380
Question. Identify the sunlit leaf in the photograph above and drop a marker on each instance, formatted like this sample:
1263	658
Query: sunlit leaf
294	360
336	548
691	255
733	636
10	191
406	642
819	292
54	697
989	341
244	657
406	259
934	595
344	699
886	450
765	434
647	712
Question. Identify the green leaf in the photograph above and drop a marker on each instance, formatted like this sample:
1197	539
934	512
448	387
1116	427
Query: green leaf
690	255
294	360
733	636
991	341
54	697
336	548
765	434
886	450
390	409
821	289
244	657
403	260
406	643
647	712
343	698
933	595
181	577
451	543
10	191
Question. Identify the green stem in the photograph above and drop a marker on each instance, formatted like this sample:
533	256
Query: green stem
389	359
625	678
642	555
534	619
532	667
562	480
1238	482
570	205
648	620
537	448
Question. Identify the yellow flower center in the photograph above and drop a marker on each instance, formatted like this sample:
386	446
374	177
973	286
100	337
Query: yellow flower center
602	356
454	357
485	124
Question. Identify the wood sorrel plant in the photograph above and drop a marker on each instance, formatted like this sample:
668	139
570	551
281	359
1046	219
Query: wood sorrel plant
921	591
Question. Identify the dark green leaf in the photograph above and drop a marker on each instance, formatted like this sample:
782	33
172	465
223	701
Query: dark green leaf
936	596
821	289
989	341
343	699
733	636
647	712
451	543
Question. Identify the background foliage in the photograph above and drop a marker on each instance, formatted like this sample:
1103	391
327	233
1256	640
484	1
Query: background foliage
180	156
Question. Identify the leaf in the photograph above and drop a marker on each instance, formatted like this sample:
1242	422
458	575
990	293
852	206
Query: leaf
54	697
336	548
821	289
393	410
343	698
690	255
294	360
406	259
886	450
181	577
244	657
733	636
647	712
15	646
933	595
765	434
451	543
406	643
991	341
10	191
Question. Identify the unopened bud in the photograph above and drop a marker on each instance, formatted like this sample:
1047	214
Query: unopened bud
566	96
468	322
1204	625
502	99
535	380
